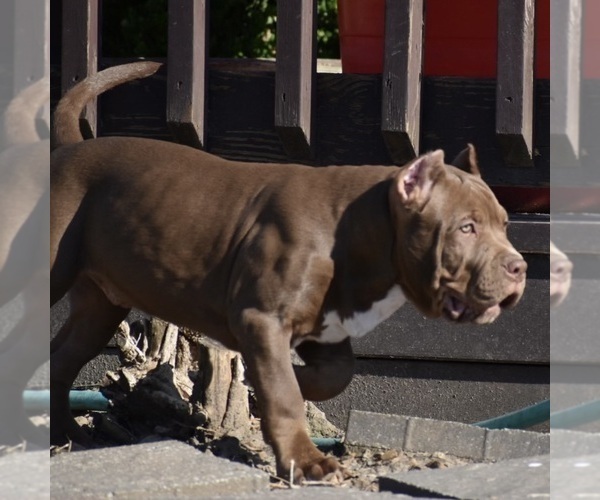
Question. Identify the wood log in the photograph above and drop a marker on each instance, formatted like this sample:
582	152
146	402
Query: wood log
185	375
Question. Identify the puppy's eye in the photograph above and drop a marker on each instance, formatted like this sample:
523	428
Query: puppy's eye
467	228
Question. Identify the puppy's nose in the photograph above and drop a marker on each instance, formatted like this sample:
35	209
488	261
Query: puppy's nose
561	268
517	268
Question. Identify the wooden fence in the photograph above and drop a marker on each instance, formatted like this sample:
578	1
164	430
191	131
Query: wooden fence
295	71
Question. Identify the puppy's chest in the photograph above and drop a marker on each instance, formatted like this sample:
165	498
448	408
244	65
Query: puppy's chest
335	329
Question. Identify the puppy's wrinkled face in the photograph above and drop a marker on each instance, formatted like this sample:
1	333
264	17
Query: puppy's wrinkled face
480	272
457	260
560	275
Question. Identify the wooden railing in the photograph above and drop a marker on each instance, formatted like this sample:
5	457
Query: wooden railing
296	67
80	52
514	81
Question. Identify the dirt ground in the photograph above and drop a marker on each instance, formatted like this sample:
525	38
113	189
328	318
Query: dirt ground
164	392
361	466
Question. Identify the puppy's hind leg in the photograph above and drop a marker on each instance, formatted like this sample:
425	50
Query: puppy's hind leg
92	321
67	216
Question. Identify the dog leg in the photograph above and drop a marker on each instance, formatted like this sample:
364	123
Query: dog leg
265	347
328	369
67	215
92	322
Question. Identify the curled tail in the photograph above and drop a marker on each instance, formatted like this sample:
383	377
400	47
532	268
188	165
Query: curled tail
65	127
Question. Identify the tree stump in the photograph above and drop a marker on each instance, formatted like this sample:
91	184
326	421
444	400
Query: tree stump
175	381
182	376
219	389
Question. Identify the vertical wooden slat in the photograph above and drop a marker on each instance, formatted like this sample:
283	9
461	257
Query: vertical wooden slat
187	71
514	83
402	67
295	76
565	75
80	52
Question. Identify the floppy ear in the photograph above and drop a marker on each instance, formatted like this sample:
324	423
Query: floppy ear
467	160
415	181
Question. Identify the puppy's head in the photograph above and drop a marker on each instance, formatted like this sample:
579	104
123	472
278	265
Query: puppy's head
454	254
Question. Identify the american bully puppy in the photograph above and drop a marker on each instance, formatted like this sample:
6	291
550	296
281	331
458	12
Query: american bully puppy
262	257
24	228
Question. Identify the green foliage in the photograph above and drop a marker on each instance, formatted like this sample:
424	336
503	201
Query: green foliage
238	28
328	40
134	28
243	28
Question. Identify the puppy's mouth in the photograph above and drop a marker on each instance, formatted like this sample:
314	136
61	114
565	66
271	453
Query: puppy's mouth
454	308
457	309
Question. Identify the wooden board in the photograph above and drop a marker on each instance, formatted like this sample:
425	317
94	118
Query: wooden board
295	76
348	129
402	68
186	83
80	29
514	81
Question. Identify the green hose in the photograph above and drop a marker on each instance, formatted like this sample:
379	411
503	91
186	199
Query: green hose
79	400
39	400
326	444
520	419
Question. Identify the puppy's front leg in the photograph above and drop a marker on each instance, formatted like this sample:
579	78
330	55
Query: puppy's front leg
265	346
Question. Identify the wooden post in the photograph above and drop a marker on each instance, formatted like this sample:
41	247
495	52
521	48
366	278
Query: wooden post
402	67
514	82
295	76
80	52
565	75
187	71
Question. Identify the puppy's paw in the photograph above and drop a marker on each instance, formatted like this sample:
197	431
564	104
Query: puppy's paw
324	469
317	468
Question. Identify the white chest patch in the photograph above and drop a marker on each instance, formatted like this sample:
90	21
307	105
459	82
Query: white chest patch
335	329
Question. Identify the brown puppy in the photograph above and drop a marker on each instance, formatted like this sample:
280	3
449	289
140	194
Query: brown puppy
263	257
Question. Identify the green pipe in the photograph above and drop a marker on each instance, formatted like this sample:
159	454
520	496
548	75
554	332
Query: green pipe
95	400
79	400
520	419
326	444
576	415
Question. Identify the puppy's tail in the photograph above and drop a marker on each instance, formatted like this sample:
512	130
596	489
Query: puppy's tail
65	127
18	122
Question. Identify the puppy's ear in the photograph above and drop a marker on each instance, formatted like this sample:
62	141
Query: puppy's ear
415	181
467	160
